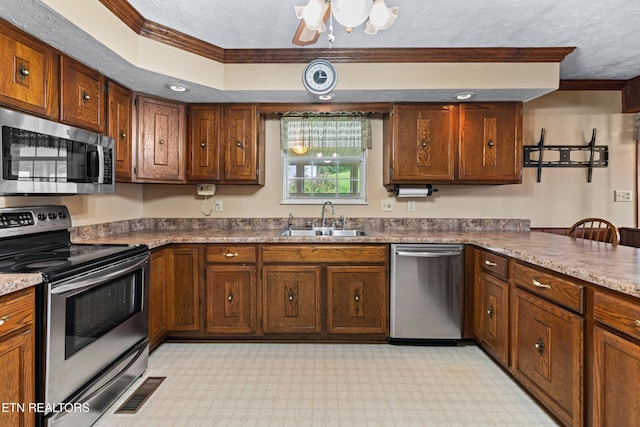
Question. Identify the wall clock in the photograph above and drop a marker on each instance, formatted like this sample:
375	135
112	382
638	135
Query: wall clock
319	77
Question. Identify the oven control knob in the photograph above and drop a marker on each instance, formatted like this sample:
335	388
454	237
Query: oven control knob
42	217
52	215
62	215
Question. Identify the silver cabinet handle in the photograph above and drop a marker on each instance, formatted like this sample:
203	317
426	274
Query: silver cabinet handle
230	297
638	323
290	296
491	263
539	345
356	297
540	285
123	135
490	312
85	96
161	142
231	255
3	320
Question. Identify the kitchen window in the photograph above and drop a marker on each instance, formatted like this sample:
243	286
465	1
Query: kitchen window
324	157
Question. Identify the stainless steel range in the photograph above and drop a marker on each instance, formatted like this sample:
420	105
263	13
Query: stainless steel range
92	320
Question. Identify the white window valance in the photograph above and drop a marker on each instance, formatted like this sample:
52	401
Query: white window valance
325	130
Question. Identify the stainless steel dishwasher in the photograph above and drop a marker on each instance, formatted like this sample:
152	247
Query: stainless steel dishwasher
426	293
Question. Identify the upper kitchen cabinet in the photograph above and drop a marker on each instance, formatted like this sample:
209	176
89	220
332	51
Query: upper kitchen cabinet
161	147
204	143
28	73
466	143
491	143
119	128
81	95
243	153
422	144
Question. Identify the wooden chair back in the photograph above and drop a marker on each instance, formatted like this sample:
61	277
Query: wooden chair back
596	229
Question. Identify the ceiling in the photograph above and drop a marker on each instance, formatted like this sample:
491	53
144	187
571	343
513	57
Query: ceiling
605	35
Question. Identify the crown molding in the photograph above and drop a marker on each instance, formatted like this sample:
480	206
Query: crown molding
163	34
592	84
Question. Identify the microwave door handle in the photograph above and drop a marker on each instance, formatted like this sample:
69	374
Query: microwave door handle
95	163
100	164
81	284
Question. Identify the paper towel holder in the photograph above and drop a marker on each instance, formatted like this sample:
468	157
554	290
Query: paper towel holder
413	191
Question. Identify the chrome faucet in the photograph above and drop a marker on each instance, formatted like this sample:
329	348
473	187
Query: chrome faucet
333	211
290	221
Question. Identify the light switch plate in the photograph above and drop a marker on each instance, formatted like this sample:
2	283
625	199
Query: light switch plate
622	196
411	206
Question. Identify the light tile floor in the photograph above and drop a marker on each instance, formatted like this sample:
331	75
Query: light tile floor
328	385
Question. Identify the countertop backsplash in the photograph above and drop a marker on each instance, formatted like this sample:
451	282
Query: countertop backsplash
437	224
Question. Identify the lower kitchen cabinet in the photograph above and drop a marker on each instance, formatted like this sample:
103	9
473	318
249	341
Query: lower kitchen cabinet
231	290
291	299
182	288
357	300
159	266
492	317
547	354
616	361
17	364
325	291
491	311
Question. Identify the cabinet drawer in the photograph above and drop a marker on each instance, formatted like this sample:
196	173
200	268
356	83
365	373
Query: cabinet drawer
344	254
617	313
495	265
16	311
231	254
549	286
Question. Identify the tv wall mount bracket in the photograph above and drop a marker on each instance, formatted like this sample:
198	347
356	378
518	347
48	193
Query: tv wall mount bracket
598	156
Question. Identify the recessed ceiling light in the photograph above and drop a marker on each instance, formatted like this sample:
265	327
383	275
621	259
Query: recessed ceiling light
178	87
326	97
462	96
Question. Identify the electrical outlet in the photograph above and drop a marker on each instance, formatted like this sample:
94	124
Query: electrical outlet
622	196
411	206
218	206
386	205
206	189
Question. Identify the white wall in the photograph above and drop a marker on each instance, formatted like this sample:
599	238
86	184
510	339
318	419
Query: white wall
560	199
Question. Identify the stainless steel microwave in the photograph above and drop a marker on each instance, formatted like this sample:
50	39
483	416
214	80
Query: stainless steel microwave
40	156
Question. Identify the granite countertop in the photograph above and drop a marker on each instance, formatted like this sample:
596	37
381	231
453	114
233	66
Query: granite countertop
612	267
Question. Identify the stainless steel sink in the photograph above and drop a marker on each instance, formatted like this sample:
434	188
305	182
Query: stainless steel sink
322	232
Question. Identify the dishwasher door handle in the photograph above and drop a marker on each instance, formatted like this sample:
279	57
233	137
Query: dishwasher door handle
430	254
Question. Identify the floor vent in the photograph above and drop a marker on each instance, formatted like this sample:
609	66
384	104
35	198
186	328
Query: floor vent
140	396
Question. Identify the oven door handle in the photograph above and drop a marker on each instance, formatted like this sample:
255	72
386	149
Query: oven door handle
96	278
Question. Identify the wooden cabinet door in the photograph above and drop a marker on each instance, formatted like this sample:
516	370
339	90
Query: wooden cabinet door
548	355
241	145
204	144
119	128
616	380
493	317
81	95
159	269
161	146
28	73
291	299
17	376
422	148
357	300
231	299
183	284
491	142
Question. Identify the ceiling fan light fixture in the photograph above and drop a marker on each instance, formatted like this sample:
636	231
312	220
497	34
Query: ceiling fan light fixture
351	13
381	17
313	14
